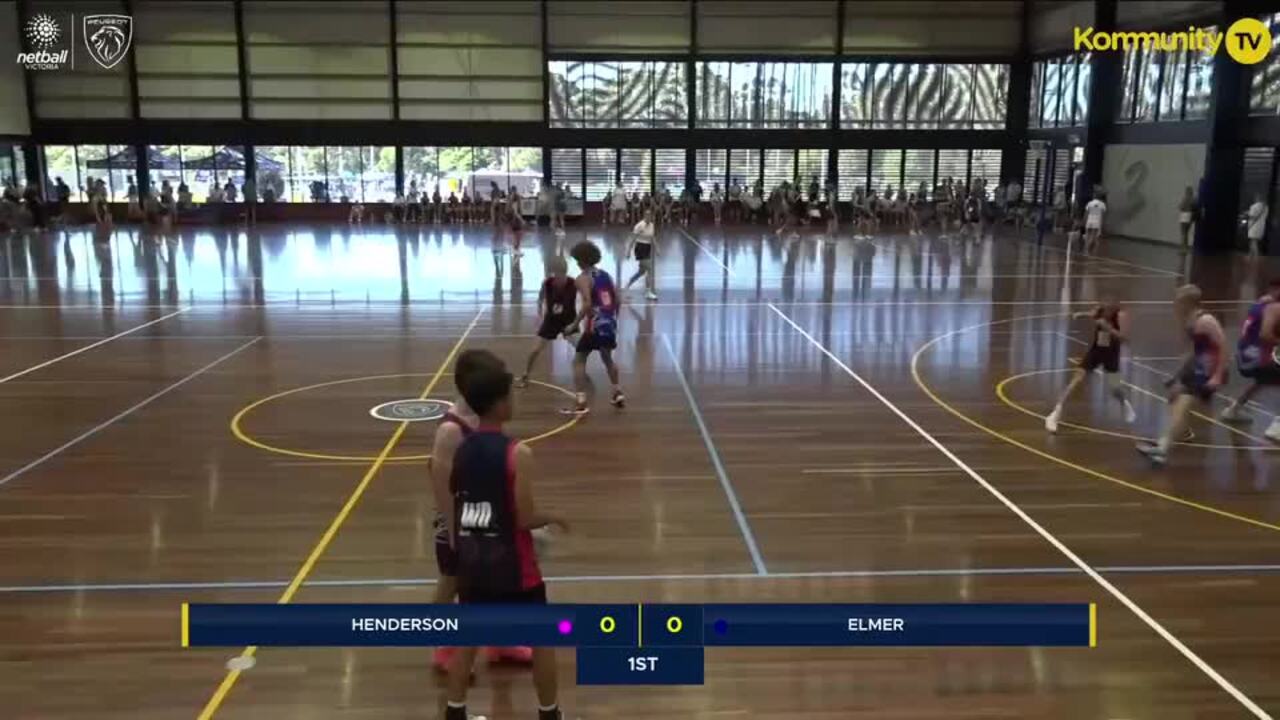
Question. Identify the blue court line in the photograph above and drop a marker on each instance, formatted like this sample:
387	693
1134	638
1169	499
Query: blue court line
819	574
743	525
104	425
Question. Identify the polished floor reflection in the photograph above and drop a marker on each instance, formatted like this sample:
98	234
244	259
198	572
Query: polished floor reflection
134	475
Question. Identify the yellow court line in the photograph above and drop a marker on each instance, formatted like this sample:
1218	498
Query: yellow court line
233	674
1003	394
244	437
639	625
1093	625
186	625
924	387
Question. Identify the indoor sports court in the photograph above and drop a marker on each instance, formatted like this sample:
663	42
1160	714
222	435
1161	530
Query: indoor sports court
831	397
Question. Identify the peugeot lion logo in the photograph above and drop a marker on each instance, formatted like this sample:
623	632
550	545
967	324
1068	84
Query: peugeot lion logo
107	37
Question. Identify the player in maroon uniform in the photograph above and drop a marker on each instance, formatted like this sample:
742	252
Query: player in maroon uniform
557	309
1110	331
492	519
454	428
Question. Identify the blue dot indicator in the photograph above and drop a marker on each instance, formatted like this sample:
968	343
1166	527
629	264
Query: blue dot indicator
721	627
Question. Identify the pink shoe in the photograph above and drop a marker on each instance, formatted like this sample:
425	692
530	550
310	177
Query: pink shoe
517	655
443	656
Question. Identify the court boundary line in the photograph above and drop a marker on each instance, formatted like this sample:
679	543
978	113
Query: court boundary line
727	270
917	377
229	680
727	485
91	346
161	586
1013	507
121	415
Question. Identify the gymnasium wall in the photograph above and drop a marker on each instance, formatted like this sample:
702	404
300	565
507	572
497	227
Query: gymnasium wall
13	111
1144	185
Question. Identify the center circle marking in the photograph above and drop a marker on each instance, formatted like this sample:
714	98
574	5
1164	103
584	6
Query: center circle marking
237	421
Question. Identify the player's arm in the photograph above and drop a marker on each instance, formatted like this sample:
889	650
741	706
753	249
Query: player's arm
527	515
542	301
1121	328
448	438
1209	326
1270	323
583	284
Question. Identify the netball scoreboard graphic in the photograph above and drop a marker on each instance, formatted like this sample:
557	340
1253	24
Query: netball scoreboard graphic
641	644
51	42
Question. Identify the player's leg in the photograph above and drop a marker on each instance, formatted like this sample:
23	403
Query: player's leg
539	344
446	586
650	280
580	380
1235	412
606	356
1175	426
1051	420
1118	390
459	680
546	684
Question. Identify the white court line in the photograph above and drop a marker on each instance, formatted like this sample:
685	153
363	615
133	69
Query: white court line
708	252
1097	577
674	577
102	426
348	308
743	525
87	348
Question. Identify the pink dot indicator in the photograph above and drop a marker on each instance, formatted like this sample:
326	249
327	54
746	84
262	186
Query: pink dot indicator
565	627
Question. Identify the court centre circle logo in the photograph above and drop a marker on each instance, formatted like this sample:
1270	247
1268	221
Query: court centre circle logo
1248	41
411	410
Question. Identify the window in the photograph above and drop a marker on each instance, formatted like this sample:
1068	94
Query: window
779	167
645	94
1052	94
1165	86
712	166
917	171
853	167
953	164
764	95
1149	70
811	166
308	175
1264	90
637	169
888	95
855	95
744	167
566	167
986	169
886	171
602	166
1037	95
1084	70
1174	87
923	95
922	98
1128	86
668	165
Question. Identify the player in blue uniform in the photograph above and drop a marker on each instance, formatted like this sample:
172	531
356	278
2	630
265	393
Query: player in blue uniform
493	514
1256	355
598	319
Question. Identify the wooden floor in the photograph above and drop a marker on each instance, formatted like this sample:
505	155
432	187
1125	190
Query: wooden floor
874	404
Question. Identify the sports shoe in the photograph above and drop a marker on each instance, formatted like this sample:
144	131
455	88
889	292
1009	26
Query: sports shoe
1273	431
1153	452
619	400
575	410
1233	415
1130	414
1051	420
522	382
651	295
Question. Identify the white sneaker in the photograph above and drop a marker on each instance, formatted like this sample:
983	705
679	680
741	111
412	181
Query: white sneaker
1130	415
1051	420
1273	432
1233	415
651	295
1157	456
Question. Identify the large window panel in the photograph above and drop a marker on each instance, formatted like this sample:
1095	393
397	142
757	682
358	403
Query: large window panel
886	171
889	95
852	166
917	171
712	166
1264	90
602	167
1052	93
1128	86
855	95
986	168
1174	87
566	168
1200	82
309	175
957	97
953	164
60	162
765	95
811	166
1084	81
1148	83
637	169
715	90
744	167
1036	103
668	169
779	167
92	162
924	96
990	96
642	94
378	180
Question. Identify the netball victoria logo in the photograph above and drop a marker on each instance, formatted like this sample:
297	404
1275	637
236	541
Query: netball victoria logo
48	46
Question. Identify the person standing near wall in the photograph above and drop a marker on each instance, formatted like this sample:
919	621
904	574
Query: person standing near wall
1187	211
1256	219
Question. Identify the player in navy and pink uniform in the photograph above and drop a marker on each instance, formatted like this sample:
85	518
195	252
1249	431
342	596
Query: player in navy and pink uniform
1203	369
493	514
1256	355
557	311
1110	331
598	316
455	427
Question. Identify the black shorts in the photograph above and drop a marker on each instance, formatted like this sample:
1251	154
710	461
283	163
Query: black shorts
1196	386
536	595
591	342
554	326
1106	358
1265	374
643	251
